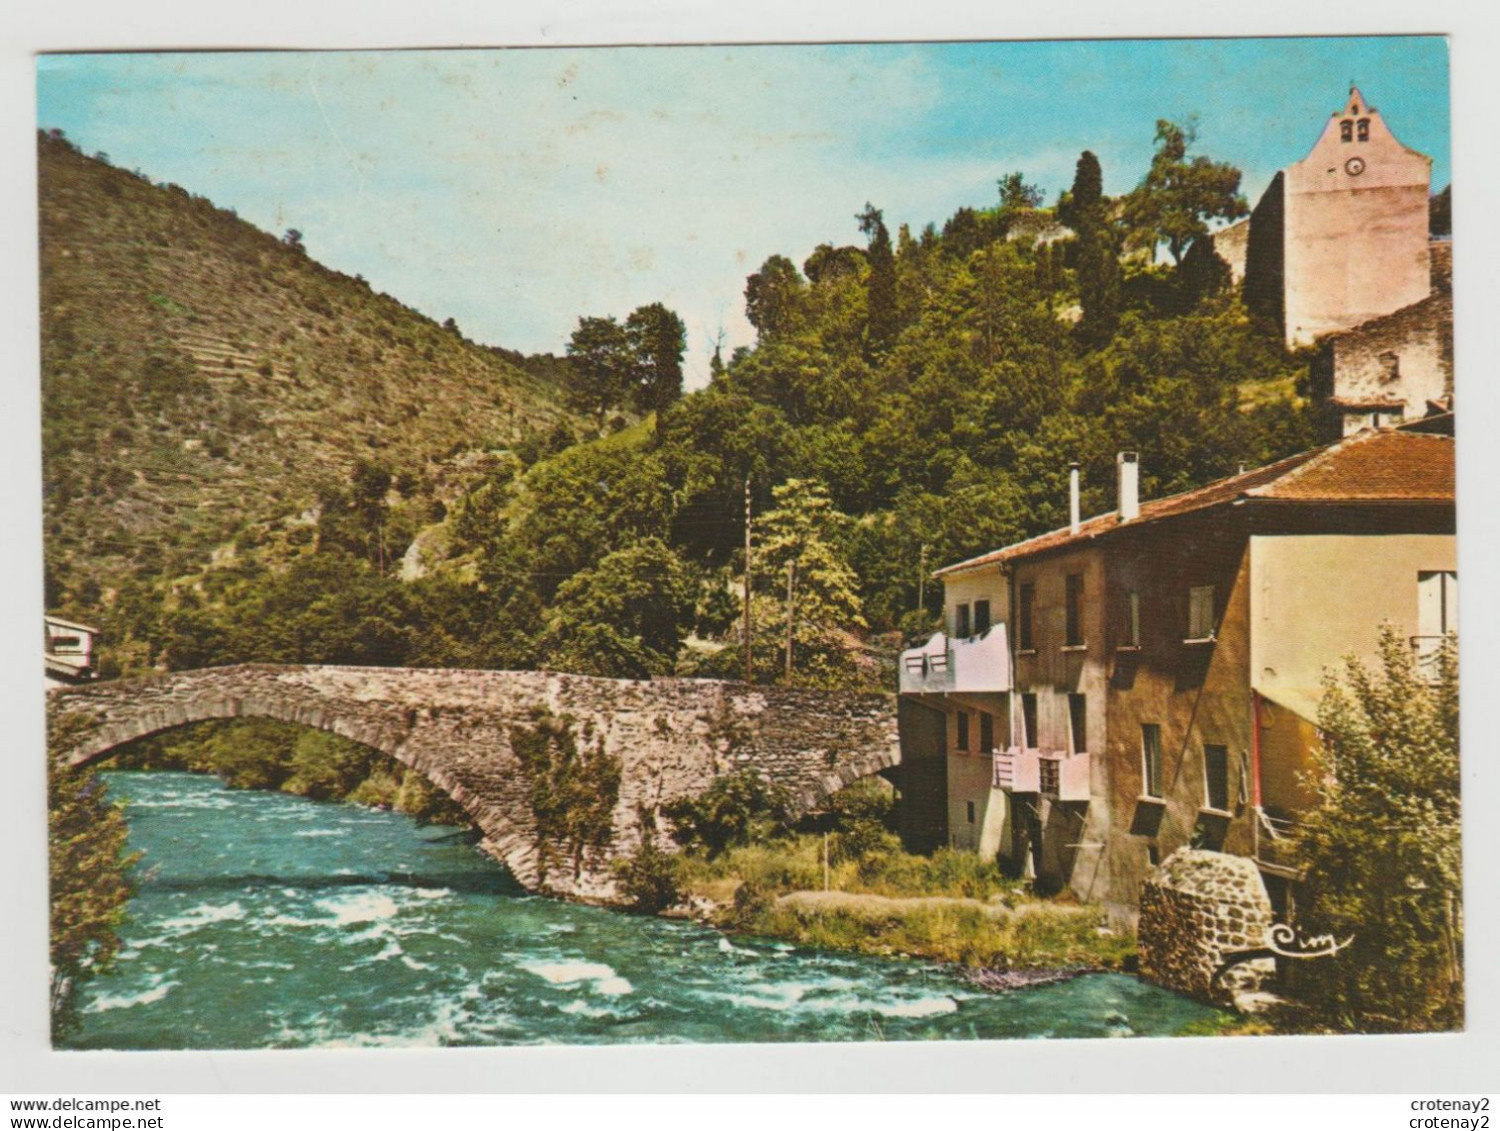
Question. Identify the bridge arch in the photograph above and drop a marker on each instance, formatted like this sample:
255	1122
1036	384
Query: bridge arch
669	738
502	838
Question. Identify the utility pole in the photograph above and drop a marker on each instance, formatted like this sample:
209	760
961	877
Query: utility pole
922	580
749	669
791	584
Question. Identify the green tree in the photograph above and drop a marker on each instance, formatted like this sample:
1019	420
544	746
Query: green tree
734	810
625	617
1381	851
1179	195
657	340
1440	213
799	559
603	367
827	263
882	316
1096	253
1016	194
88	868
572	787
648	877
773	297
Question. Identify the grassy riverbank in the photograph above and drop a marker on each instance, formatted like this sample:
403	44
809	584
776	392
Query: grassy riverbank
839	879
950	907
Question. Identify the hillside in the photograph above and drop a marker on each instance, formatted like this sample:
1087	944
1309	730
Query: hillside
200	376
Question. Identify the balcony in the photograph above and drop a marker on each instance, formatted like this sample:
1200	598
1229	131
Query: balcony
1275	849
1428	652
1051	772
957	664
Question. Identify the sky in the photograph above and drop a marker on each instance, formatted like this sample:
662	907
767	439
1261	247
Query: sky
517	190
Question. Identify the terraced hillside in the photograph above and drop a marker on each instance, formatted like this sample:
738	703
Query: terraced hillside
200	376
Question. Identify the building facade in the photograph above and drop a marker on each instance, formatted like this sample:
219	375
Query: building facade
1341	236
1166	661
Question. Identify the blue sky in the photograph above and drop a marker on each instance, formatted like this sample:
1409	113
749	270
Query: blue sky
518	189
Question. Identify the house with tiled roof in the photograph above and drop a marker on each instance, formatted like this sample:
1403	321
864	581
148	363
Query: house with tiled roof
1150	678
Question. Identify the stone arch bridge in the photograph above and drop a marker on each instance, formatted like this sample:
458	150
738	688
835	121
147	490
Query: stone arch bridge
672	738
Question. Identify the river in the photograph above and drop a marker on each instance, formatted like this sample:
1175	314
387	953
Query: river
263	920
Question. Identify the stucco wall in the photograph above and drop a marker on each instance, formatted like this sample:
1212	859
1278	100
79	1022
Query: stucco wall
1355	243
1316	598
923	811
1196	694
970	782
986	583
1073	833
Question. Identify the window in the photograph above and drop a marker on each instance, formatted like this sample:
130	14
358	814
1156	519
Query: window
1074	621
986	732
1390	367
1151	758
1346	130
1132	627
1437	602
1028	720
1078	715
1153	855
970	805
1027	599
1201	612
981	617
963	730
1216	777
1364	129
961	621
1047	775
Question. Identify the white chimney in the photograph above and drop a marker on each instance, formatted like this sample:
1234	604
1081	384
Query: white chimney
1075	519
1128	470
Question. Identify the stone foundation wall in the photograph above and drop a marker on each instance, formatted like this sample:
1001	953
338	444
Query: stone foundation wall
1197	909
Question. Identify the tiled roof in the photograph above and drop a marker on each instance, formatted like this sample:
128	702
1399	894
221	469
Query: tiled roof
1376	467
1368	467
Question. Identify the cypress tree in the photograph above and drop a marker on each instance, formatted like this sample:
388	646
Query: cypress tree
1098	260
882	318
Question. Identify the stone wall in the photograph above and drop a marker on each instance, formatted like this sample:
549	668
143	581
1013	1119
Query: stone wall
672	737
1399	364
1197	909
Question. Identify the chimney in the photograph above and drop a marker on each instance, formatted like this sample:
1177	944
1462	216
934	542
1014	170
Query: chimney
1128	469
1074	518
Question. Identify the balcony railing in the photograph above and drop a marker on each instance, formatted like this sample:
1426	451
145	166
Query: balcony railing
1054	773
1428	651
963	664
1273	841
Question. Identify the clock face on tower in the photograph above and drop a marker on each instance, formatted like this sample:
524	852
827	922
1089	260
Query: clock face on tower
1354	166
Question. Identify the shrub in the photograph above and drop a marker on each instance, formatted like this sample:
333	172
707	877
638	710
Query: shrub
648	877
1382	851
736	809
89	878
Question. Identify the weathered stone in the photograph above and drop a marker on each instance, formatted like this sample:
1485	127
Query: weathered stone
671	736
1197	910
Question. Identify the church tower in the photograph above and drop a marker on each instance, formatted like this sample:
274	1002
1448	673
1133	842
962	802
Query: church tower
1341	236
